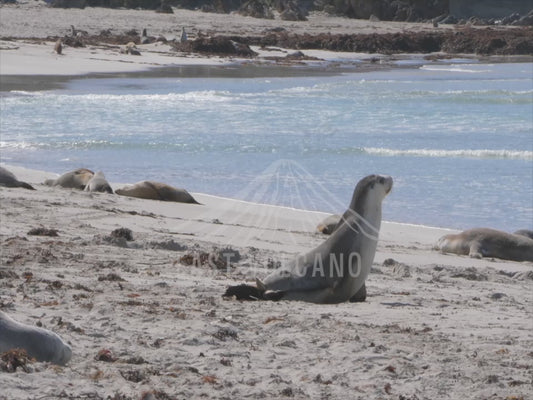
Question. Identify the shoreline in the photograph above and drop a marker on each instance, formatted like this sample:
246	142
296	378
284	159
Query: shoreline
283	48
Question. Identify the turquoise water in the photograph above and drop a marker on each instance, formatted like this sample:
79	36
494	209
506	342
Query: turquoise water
457	138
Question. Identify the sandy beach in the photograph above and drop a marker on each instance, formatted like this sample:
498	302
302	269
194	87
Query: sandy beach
433	326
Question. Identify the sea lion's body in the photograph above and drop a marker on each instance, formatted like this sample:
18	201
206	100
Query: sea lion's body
336	270
76	179
98	183
39	343
157	191
8	179
485	242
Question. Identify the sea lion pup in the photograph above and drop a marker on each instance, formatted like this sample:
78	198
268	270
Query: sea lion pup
336	270
156	191
76	179
8	179
524	232
329	224
58	47
98	183
485	242
39	343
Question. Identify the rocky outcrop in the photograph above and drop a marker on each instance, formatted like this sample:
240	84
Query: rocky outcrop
218	45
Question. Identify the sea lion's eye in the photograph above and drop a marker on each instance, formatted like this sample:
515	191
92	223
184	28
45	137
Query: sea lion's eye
381	180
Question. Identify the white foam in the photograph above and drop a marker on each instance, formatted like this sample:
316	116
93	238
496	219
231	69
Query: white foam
462	153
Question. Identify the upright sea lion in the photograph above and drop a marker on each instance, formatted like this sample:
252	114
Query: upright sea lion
77	179
7	179
39	343
156	191
98	183
485	242
336	270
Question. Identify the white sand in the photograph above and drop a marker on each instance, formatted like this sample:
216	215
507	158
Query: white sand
433	327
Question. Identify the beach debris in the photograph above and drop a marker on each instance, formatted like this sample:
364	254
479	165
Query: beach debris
105	355
16	358
133	375
112	277
58	46
125	233
43	232
216	259
155	395
167	245
224	333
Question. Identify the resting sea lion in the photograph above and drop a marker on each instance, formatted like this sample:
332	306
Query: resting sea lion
524	232
39	343
485	242
77	179
329	224
156	191
336	270
7	179
98	183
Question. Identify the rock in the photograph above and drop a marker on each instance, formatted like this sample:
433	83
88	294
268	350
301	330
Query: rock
68	4
256	9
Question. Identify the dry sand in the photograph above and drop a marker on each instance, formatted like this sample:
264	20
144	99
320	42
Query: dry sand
434	326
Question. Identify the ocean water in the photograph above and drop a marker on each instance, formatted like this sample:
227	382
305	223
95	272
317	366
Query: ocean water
457	138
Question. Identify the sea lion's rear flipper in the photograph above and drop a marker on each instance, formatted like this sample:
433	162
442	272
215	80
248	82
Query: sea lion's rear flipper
26	185
244	292
476	250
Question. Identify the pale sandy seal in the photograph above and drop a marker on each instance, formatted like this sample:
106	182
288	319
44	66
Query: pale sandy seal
157	191
329	224
98	183
39	343
58	46
485	242
7	179
336	270
76	179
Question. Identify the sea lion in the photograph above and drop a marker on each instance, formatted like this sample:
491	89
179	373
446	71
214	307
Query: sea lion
485	242
98	183
58	47
329	224
39	343
156	191
7	179
77	179
524	232
336	270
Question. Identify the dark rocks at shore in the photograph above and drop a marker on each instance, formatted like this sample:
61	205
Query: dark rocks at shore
467	40
488	41
217	45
